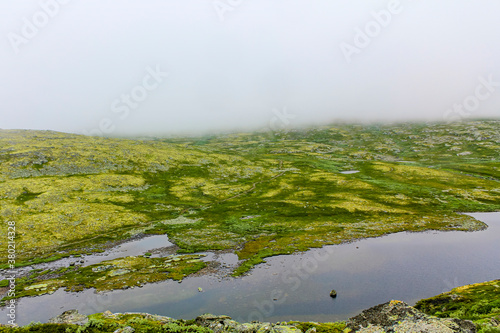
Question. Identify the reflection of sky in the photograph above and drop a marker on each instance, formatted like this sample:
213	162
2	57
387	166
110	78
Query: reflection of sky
132	248
405	266
145	244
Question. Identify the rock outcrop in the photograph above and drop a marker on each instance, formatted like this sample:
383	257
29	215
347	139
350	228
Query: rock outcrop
226	324
393	316
397	316
70	317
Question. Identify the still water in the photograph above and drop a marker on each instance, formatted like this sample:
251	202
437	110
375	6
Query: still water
404	266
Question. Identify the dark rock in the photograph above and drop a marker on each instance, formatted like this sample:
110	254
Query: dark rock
69	317
333	293
397	316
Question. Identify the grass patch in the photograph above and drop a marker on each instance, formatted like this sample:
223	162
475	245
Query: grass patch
477	302
255	193
122	273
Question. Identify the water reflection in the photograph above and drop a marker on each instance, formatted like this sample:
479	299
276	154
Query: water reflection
405	266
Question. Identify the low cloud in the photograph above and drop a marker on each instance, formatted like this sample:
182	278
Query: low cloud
230	63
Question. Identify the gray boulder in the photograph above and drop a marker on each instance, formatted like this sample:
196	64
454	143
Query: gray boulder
70	317
126	329
397	316
220	324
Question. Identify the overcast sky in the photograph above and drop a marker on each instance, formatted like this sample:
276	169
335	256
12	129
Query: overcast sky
119	67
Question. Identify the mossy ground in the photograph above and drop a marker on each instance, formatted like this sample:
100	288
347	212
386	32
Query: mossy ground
260	194
477	302
121	273
142	323
338	327
100	323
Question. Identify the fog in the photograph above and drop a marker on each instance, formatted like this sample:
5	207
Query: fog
130	67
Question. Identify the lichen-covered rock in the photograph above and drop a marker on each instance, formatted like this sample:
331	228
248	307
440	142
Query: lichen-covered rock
284	329
108	314
397	316
70	317
207	319
495	321
226	324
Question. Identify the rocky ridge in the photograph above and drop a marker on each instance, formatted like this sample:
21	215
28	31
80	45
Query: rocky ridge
393	316
397	316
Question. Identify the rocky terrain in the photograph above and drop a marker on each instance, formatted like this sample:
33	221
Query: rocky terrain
397	316
393	316
252	194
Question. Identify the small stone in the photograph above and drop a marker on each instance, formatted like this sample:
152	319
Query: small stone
126	329
107	314
333	293
70	317
200	289
117	272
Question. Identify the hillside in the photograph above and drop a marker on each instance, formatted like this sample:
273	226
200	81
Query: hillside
258	194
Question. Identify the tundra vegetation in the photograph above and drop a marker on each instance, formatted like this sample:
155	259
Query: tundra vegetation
122	273
147	323
257	194
478	302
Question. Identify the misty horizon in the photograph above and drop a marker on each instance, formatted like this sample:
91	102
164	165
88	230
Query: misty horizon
171	68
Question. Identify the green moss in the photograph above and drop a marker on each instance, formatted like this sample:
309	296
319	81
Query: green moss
102	322
476	302
120	273
27	195
255	193
337	327
42	259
